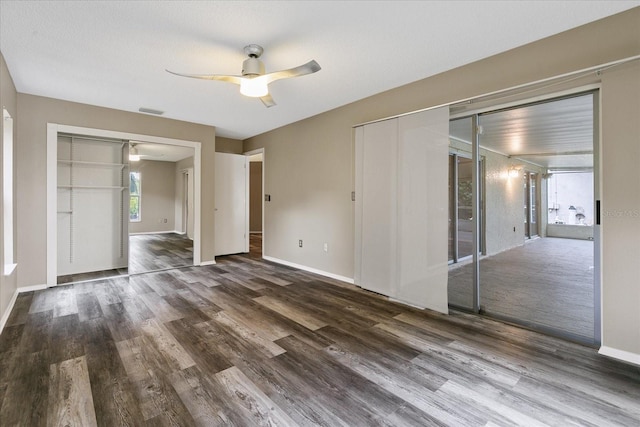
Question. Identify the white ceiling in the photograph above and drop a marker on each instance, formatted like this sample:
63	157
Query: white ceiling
114	53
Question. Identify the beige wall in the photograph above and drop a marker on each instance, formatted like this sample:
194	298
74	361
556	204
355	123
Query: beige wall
228	145
158	183
35	112
503	197
255	196
309	164
8	100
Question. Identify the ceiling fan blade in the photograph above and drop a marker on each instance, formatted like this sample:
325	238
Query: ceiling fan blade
230	79
267	100
308	68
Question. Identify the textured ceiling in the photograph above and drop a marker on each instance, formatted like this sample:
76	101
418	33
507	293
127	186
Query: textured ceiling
114	53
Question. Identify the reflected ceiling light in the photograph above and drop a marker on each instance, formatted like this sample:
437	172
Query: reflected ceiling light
133	154
513	172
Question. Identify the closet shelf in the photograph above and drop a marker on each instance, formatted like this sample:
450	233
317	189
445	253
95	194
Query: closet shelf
82	162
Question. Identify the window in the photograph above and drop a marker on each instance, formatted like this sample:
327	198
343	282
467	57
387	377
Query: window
7	191
134	197
570	198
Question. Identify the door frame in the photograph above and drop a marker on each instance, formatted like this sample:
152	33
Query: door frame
52	183
187	181
264	163
475	114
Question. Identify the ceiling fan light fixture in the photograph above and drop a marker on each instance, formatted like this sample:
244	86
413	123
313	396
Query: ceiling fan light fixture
254	87
254	82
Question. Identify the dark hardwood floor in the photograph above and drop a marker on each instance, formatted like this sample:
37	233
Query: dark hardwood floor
246	342
151	252
147	252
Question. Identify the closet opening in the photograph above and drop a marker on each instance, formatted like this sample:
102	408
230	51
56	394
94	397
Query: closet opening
105	202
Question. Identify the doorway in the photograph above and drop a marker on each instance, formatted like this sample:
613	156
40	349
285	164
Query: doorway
256	202
547	284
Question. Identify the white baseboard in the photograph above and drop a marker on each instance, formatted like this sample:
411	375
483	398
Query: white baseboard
212	262
309	269
623	355
12	302
31	288
7	312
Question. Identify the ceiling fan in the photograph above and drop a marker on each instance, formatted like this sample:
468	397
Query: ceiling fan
254	82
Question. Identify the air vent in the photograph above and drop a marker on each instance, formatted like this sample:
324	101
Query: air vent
151	111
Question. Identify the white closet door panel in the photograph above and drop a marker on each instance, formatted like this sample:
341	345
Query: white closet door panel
423	209
231	214
378	262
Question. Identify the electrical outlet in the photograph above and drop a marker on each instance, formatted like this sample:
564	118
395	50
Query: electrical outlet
514	229
165	220
299	243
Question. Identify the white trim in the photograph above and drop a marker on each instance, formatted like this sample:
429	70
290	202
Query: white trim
9	269
52	160
623	355
12	301
212	262
7	312
52	202
247	194
32	288
309	269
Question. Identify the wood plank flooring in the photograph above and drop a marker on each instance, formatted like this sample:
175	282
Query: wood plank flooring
150	252
246	342
546	283
147	252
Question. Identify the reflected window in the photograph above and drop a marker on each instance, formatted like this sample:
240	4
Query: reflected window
135	194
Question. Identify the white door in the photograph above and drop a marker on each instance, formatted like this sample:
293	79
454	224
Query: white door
231	207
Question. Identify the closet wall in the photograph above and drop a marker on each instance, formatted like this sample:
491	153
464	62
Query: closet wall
92	208
402	208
